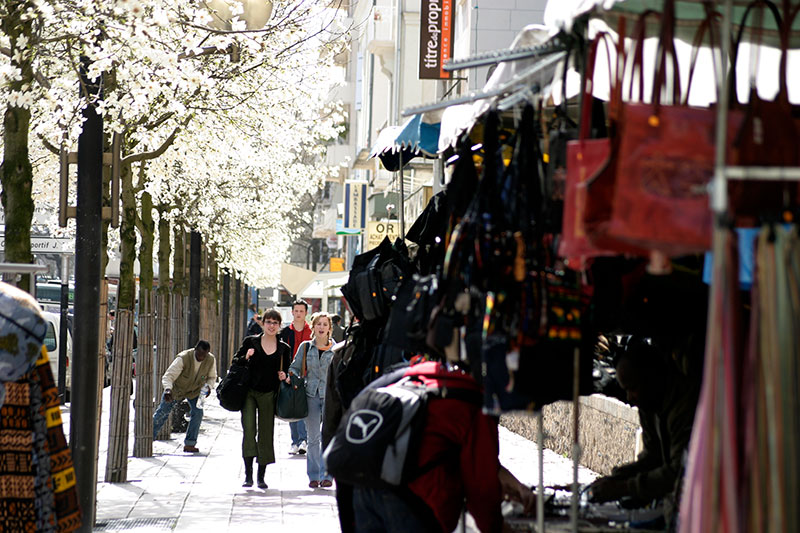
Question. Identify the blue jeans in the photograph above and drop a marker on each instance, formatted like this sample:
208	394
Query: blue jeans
383	511
196	414
298	431
314	466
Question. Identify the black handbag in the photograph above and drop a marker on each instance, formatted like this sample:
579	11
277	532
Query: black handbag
232	391
292	404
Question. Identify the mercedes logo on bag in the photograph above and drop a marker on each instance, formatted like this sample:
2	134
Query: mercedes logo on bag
362	426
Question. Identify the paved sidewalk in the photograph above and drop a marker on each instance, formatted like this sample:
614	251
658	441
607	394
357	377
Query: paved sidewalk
177	491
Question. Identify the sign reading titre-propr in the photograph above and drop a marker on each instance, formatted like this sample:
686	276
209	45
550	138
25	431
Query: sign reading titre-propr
435	38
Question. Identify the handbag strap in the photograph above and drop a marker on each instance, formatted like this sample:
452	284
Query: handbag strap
757	7
305	354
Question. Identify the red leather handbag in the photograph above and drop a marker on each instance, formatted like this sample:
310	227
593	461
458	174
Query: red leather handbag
665	162
585	157
598	189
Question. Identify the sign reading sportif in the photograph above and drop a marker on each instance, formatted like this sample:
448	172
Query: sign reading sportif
435	38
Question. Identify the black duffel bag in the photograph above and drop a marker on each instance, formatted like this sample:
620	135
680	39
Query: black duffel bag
232	391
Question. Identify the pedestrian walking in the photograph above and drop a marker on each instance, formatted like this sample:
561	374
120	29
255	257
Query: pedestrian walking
265	356
293	335
193	371
318	356
337	332
254	326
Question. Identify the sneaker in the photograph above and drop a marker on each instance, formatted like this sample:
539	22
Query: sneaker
301	448
190	449
326	483
313	484
294	450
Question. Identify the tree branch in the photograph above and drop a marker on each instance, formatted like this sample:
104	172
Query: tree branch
44	82
47	144
154	154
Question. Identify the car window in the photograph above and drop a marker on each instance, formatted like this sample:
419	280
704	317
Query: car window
50	337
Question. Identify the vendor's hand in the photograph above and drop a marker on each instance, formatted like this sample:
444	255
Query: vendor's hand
607	489
602	348
249	353
281	375
514	490
167	395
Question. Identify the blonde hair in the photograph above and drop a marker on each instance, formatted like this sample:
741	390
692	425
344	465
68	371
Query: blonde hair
316	318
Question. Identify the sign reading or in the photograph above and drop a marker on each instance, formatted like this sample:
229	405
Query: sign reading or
435	38
376	231
355	204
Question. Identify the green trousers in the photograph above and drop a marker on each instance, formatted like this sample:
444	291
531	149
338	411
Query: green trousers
258	428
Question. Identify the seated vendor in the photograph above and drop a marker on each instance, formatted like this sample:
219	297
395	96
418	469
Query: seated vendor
666	400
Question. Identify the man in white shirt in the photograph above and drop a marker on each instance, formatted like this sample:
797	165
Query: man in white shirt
191	370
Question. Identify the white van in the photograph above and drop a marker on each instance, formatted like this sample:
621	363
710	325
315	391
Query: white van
51	341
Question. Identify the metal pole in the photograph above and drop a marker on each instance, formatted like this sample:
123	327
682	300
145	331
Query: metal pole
402	198
237	315
194	289
245	306
226	310
576	446
62	336
398	63
540	496
83	412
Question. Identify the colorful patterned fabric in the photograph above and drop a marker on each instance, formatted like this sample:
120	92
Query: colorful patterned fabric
37	478
62	471
17	480
22	330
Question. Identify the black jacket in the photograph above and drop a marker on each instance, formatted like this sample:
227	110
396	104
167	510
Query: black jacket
263	367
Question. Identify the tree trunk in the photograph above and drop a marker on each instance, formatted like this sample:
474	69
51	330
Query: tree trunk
164	352
117	467
17	173
143	403
117	463
178	292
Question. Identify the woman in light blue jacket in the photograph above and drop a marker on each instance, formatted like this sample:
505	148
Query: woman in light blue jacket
317	353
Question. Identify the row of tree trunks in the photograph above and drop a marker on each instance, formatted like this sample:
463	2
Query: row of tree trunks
164	352
163	303
121	380
143	401
101	355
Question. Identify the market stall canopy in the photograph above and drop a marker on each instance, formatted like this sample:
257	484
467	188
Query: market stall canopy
295	279
563	14
325	284
419	136
515	75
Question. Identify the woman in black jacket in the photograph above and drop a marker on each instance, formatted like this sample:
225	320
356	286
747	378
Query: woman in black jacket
267	359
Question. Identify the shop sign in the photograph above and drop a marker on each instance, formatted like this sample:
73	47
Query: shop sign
376	231
355	205
435	38
46	245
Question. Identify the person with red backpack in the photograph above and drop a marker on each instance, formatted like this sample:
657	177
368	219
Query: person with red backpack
450	459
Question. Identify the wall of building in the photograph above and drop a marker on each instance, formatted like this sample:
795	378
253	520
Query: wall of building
602	421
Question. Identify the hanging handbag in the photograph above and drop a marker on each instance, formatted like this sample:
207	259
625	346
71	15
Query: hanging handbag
292	403
585	157
233	388
768	134
601	177
665	160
